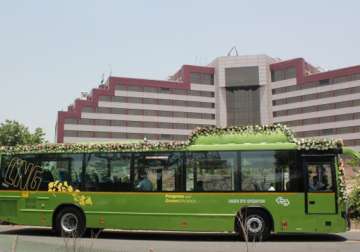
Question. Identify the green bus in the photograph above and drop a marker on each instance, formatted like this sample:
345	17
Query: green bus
252	180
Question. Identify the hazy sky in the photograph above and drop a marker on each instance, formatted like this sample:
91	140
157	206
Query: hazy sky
50	51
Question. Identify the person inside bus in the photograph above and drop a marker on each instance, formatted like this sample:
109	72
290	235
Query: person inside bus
47	177
316	184
144	184
199	186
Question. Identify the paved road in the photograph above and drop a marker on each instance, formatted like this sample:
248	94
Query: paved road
30	239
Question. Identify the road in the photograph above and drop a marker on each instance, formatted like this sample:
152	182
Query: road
30	239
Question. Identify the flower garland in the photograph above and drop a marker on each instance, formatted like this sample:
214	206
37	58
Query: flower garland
302	144
57	186
343	195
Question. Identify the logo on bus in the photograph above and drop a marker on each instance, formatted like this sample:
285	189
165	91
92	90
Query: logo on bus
282	201
23	175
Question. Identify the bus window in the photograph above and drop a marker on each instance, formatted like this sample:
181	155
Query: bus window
320	177
20	172
54	171
107	172
120	164
157	172
171	172
35	172
257	170
269	171
62	167
210	171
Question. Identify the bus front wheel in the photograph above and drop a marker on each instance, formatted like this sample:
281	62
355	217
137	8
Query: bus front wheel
70	222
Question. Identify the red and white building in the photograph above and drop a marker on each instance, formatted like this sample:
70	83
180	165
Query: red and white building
231	90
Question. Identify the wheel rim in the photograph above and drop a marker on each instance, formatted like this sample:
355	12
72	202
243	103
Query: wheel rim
255	224
69	222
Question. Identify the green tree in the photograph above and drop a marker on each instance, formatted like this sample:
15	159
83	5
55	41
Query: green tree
14	133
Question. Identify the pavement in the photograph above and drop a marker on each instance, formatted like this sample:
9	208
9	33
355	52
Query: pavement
28	239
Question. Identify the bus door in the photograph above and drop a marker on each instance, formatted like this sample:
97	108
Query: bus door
320	184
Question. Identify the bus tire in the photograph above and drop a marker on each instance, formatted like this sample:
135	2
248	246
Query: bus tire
257	225
70	222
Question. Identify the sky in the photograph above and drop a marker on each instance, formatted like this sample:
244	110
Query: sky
51	51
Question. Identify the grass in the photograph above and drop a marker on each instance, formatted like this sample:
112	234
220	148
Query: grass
69	244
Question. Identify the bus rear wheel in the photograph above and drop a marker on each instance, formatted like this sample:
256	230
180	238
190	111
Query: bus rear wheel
70	222
255	225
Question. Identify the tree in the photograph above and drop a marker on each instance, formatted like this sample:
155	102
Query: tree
14	133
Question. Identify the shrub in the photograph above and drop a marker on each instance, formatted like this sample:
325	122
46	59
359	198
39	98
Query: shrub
354	200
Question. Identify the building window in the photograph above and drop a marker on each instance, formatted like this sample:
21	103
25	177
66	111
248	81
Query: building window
165	125
102	122
85	134
136	88
103	110
195	92
165	137
134	100
151	89
202	78
118	123
150	112
121	87
102	135
324	82
105	98
179	103
290	73
277	75
164	102
119	135
85	121
284	74
119	111
180	91
344	117
135	136
150	124
165	113
134	124
356	76
150	101
164	90
71	121
70	133
135	112
179	114
207	79
328	131
326	119
87	109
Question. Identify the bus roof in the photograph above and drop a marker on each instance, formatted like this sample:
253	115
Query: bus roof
258	137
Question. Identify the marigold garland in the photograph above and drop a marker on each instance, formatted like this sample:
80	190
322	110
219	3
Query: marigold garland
81	199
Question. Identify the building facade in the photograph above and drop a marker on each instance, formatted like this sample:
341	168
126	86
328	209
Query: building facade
231	90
